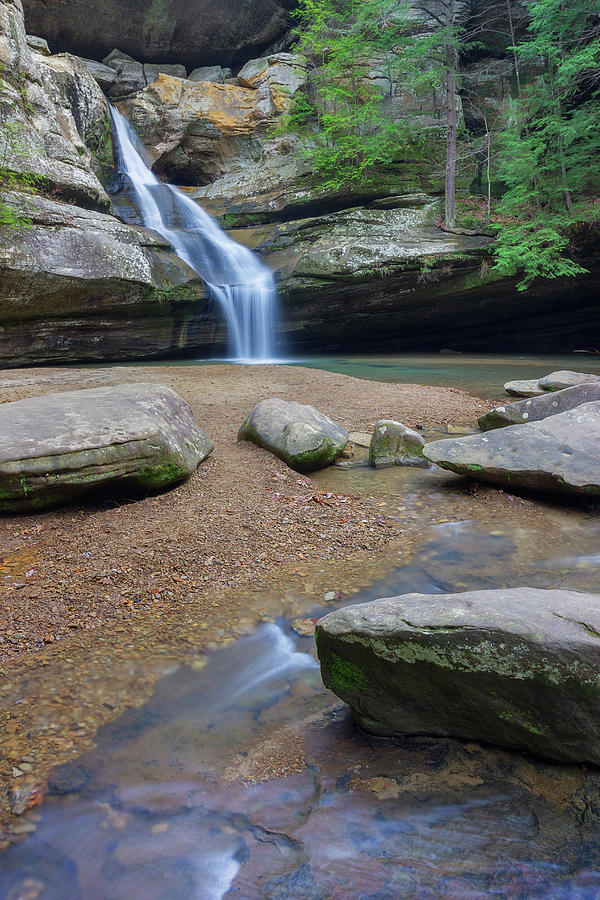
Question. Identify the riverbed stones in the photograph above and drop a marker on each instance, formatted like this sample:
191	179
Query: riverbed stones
300	435
560	454
56	447
558	381
537	408
394	444
519	668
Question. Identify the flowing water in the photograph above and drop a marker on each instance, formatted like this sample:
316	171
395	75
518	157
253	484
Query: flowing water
243	287
242	777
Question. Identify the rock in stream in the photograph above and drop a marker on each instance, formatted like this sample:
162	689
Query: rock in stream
519	668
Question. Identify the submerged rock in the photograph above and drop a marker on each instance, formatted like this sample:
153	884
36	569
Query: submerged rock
394	444
55	447
300	435
560	453
558	381
537	408
519	668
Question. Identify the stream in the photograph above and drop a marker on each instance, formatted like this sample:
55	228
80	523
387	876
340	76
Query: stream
242	777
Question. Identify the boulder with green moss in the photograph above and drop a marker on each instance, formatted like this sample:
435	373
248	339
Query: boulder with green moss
537	408
394	444
559	454
300	435
56	447
519	668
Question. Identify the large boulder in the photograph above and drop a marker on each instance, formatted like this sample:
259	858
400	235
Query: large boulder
560	453
558	381
200	32
300	435
537	408
394	444
58	446
529	387
519	668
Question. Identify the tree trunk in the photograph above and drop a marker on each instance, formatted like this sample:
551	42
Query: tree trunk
452	121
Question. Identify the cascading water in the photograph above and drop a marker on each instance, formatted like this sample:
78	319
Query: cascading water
236	279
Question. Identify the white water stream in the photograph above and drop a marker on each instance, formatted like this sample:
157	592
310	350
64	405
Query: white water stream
235	277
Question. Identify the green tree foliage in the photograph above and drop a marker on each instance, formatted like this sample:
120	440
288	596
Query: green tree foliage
349	42
550	145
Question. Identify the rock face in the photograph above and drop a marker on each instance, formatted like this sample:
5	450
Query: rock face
558	381
394	444
300	435
59	446
537	408
54	116
200	32
519	668
560	454
76	283
80	284
199	130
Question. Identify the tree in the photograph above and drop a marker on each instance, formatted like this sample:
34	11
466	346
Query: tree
550	145
346	40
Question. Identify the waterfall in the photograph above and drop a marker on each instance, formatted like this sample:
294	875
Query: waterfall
243	287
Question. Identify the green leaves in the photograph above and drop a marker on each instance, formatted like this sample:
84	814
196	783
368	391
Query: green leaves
550	146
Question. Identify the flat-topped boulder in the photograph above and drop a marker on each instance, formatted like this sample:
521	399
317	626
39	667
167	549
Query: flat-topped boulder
519	668
560	454
300	435
537	408
58	446
558	381
527	388
395	444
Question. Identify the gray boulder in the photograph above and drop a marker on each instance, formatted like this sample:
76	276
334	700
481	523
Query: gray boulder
300	435
104	76
519	668
527	388
38	44
214	74
394	444
557	381
560	453
55	447
537	408
132	77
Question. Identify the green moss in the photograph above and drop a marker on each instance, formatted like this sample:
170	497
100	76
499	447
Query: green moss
160	475
475	468
346	677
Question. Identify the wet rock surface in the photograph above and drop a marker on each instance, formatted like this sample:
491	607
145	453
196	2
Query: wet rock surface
559	454
394	444
537	408
66	444
300	435
515	668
